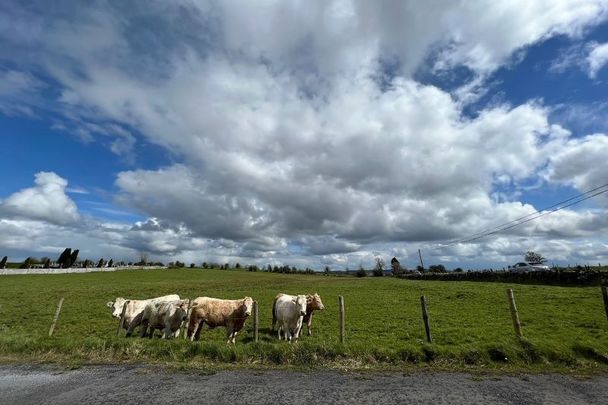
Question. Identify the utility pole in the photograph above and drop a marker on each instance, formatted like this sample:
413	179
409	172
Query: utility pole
420	255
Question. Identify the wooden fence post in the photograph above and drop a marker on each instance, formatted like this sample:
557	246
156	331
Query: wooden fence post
514	314
122	315
605	295
425	318
341	305
184	326
56	317
256	322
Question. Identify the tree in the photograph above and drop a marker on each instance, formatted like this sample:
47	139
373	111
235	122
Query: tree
396	267
73	257
143	258
3	262
26	264
111	263
327	270
361	272
437	268
47	263
378	267
64	258
533	257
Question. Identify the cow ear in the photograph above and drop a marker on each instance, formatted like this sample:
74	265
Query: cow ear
109	304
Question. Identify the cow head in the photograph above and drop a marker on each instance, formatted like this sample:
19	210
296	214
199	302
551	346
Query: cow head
116	306
248	303
300	302
181	310
314	302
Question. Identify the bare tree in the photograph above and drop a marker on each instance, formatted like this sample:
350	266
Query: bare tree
378	268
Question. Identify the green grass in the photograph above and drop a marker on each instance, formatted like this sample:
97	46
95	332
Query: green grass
565	328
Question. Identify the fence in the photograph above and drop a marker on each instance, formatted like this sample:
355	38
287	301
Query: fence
425	315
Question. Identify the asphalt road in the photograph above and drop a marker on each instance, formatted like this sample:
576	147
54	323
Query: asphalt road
152	385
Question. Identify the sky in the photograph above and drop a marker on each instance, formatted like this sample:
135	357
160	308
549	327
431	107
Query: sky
304	133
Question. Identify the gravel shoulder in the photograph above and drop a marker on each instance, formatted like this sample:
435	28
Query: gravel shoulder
36	384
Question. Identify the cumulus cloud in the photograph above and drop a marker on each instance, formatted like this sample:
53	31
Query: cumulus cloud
46	201
294	137
581	163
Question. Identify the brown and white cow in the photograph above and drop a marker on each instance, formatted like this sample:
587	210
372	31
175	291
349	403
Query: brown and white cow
134	310
313	303
289	311
217	312
166	316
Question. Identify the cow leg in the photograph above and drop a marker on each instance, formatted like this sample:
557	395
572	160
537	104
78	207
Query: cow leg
191	326
128	328
197	335
135	322
309	324
143	329
196	330
230	333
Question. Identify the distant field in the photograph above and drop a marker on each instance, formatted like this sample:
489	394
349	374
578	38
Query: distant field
565	328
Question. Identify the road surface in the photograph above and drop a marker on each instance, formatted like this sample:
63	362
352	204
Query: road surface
26	384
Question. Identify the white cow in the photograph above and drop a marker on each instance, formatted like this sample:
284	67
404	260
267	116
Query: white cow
167	316
289	311
134	310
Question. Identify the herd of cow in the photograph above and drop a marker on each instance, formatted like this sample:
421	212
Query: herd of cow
168	313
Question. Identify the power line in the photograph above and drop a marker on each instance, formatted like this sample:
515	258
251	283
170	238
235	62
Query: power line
530	217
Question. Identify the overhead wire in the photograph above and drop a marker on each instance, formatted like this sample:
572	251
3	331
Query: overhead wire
530	217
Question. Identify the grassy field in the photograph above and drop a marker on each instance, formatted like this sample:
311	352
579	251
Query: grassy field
565	328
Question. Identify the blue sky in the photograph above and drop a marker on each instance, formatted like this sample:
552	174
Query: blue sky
307	134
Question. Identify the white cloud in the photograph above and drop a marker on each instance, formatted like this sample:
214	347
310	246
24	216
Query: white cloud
47	201
597	58
293	137
581	163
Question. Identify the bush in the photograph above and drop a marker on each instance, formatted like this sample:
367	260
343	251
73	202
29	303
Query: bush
361	272
377	272
437	268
